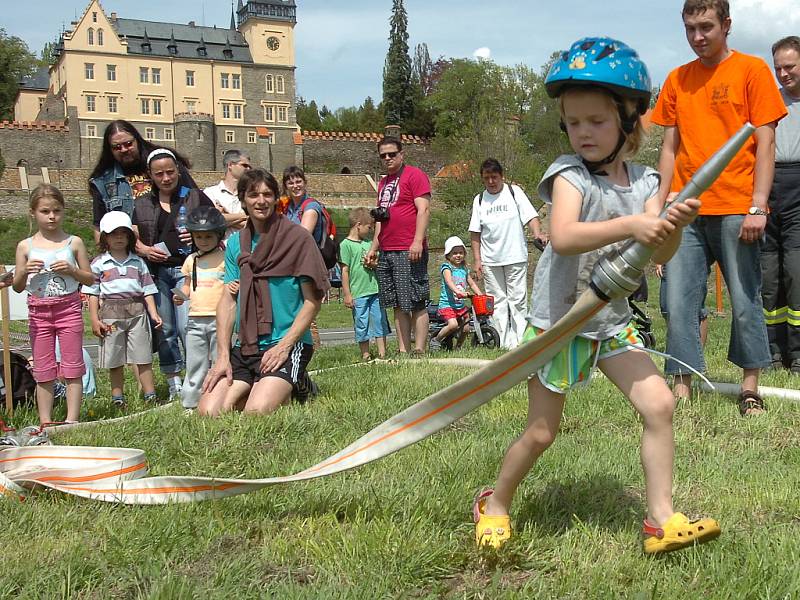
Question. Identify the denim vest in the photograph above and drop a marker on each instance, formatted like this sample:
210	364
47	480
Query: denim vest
115	190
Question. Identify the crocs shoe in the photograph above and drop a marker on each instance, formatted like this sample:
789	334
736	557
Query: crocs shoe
678	532
491	531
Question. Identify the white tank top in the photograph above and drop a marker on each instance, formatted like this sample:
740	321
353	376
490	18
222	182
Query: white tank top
46	283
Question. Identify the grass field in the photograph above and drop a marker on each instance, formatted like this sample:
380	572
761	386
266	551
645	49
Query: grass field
401	528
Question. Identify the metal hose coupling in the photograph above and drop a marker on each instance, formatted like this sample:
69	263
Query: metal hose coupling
619	273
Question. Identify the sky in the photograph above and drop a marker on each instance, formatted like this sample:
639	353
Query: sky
341	44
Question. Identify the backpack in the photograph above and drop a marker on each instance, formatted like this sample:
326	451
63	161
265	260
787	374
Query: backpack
328	246
23	385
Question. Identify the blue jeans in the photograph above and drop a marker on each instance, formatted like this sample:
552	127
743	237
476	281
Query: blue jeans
174	319
715	239
369	319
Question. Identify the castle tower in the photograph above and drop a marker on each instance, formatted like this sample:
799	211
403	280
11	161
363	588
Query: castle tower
268	27
194	135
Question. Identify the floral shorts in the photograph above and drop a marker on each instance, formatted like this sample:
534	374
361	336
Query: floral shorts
573	365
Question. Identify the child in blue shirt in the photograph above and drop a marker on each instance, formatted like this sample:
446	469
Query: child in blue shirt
455	282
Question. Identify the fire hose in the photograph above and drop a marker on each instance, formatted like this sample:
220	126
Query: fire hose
119	474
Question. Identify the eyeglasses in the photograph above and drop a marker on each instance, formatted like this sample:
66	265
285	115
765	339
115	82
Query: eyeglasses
385	155
126	145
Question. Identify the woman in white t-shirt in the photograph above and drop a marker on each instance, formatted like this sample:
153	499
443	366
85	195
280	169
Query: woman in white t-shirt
500	252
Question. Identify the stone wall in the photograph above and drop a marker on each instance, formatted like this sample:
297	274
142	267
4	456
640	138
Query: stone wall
9	179
328	152
39	144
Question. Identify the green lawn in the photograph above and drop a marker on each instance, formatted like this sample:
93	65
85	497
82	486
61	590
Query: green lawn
401	527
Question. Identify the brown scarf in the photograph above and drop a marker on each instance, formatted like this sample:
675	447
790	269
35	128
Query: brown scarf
283	250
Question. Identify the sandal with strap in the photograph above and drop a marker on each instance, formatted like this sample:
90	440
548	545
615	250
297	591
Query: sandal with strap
678	532
490	530
751	404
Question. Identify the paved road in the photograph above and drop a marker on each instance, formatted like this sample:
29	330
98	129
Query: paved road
329	337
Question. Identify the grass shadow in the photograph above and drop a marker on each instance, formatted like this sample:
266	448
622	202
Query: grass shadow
599	500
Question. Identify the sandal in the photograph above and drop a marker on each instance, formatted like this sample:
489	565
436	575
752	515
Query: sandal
750	404
678	532
490	530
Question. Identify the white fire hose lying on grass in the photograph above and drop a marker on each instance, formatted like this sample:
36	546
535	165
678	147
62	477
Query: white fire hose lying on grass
119	474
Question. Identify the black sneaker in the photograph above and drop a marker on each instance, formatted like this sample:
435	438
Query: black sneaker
306	390
794	369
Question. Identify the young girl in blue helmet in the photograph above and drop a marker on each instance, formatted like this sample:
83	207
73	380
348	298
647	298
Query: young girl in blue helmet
597	200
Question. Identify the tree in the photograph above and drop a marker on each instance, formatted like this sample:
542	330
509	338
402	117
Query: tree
16	61
397	92
308	115
370	119
47	55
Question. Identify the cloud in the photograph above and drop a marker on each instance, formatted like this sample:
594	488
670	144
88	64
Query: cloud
758	24
482	53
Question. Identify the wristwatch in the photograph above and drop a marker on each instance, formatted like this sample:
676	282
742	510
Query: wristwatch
754	210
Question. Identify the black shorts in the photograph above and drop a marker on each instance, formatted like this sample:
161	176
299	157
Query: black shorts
248	368
403	284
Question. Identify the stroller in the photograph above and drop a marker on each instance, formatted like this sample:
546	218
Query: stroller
644	324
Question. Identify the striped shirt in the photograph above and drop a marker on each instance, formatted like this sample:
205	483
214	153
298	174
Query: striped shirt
129	279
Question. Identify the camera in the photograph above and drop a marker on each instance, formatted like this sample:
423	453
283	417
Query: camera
380	214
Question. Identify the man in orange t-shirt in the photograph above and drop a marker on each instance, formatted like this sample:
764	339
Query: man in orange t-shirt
702	104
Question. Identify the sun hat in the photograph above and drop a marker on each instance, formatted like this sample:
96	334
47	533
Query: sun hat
114	220
451	243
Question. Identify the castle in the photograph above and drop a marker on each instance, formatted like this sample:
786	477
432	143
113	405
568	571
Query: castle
200	89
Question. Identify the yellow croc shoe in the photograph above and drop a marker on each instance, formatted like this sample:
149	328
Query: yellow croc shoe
491	531
678	532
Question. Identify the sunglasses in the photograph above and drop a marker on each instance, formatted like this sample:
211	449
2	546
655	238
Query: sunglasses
385	155
126	145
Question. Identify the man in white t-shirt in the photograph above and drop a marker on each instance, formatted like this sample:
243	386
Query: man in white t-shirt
500	251
225	196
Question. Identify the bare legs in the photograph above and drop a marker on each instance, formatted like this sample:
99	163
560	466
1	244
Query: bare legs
637	377
403	322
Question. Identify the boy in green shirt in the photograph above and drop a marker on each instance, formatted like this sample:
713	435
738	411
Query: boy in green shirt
360	285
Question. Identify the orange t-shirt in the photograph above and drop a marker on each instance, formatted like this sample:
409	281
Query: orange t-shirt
708	105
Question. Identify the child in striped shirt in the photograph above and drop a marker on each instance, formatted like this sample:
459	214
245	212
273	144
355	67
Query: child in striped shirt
120	300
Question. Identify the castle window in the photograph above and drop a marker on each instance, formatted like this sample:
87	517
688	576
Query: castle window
94	17
168	134
269	83
226	110
271	137
99	37
251	137
156	106
190	78
237	111
269	114
91	103
224	80
88	70
144	75
230	137
41	103
157	76
112	104
149	133
280	87
91	131
236	81
90	36
145	106
191	106
283	114
111	72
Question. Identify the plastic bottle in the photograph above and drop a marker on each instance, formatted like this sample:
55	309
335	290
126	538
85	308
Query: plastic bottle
180	225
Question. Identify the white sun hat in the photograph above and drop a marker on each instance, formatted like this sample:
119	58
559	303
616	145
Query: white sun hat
451	243
114	220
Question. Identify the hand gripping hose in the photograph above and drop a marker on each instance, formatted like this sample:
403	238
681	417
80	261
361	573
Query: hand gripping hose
119	474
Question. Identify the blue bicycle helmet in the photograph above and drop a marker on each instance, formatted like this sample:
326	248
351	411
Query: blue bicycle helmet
605	62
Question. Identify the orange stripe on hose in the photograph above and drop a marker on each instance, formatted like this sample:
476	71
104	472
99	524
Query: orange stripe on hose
167	490
449	404
141	465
